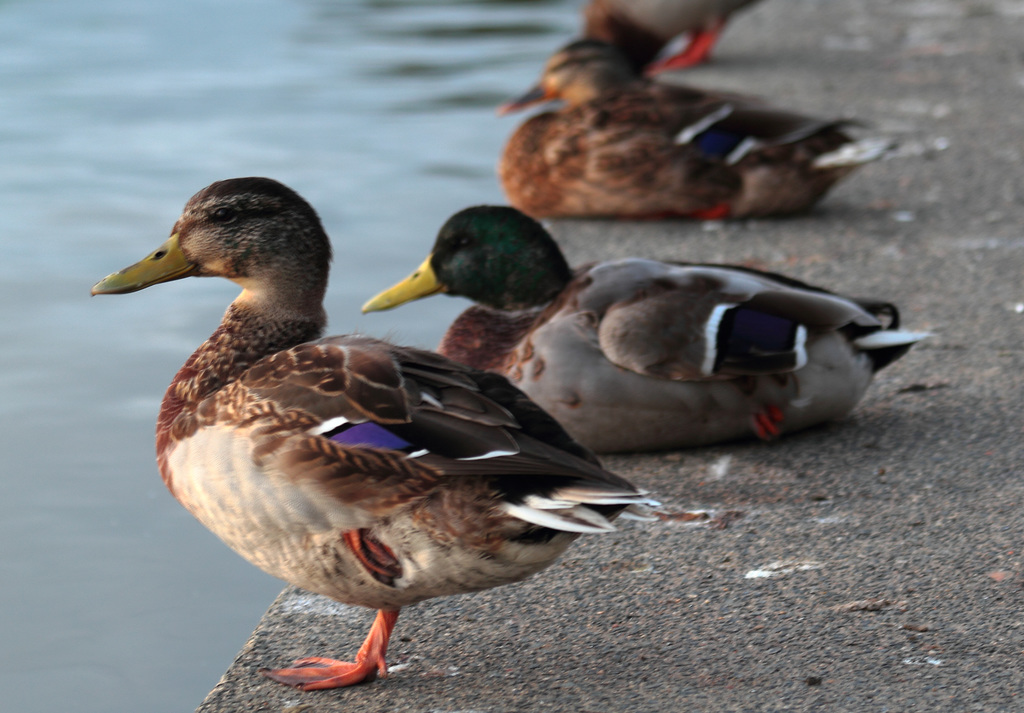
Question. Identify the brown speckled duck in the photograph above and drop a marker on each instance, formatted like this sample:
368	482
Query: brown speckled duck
637	355
624	146
642	29
373	474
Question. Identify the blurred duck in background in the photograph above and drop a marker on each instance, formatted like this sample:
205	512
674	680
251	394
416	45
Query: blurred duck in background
623	146
645	30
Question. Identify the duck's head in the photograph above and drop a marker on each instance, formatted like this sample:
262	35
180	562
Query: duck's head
577	73
254	231
494	255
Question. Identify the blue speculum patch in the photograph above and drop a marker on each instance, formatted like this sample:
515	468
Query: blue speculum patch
715	142
370	434
756	331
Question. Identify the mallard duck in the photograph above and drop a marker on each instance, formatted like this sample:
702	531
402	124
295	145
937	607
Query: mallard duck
623	146
643	28
373	474
637	355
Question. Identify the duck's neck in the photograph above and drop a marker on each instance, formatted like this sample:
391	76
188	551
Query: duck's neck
245	335
484	338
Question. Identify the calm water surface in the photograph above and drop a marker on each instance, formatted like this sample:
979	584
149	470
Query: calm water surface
113	113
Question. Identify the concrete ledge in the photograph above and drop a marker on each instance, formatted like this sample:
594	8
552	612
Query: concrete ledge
865	565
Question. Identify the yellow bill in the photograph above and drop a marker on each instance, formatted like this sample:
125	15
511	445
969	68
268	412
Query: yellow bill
164	264
421	283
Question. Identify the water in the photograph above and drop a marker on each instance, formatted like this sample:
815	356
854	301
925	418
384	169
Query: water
112	113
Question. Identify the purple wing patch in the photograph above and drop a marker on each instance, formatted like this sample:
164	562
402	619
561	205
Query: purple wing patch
369	434
752	331
716	142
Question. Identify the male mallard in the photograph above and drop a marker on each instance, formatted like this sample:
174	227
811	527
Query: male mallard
373	474
623	146
635	355
643	28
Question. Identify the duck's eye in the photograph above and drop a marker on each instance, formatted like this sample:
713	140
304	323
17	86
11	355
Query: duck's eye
223	215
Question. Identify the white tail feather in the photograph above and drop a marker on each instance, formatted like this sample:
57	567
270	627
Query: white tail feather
539	502
888	338
575	519
602	497
854	153
566	508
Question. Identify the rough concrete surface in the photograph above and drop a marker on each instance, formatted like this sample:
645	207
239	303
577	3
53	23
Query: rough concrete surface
873	564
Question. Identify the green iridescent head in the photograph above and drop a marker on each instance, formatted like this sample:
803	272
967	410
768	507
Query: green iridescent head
494	255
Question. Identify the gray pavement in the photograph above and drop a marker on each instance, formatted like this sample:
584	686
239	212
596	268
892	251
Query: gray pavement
873	564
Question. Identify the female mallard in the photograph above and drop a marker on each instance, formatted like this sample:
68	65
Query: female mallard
373	474
643	28
635	355
624	146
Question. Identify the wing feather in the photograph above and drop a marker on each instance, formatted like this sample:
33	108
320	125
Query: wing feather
432	420
693	322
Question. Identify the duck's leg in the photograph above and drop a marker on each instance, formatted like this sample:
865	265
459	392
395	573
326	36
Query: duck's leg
697	51
718	212
310	674
767	422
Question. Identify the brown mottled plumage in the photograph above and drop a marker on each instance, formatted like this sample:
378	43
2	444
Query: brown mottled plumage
642	28
374	474
483	337
623	146
633	354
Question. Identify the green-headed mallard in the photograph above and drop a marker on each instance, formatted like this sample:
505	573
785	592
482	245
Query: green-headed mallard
634	354
373	474
624	146
642	29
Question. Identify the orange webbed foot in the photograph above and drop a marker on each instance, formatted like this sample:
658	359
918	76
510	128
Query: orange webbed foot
767	422
316	673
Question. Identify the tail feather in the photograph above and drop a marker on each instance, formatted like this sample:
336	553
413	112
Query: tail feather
576	509
595	496
855	153
573	519
887	345
885	338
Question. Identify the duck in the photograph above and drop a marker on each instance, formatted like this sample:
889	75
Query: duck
634	354
623	146
645	29
374	474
